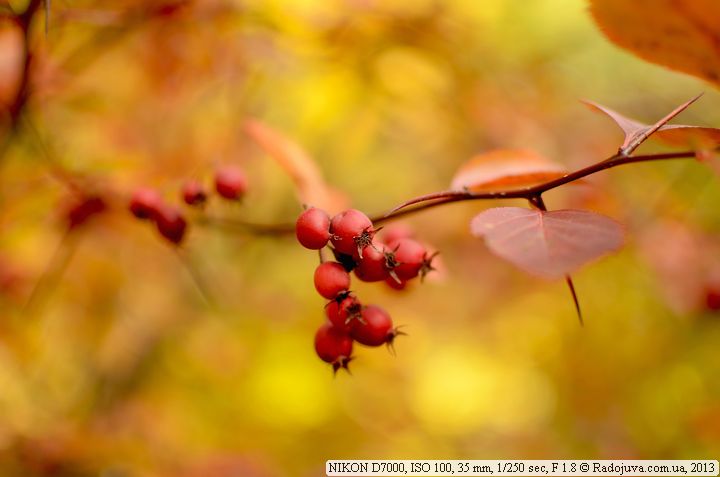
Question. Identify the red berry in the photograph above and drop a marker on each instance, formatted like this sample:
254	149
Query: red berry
374	327
343	311
171	224
193	193
375	264
313	228
351	231
331	279
410	256
333	346
144	203
230	182
81	211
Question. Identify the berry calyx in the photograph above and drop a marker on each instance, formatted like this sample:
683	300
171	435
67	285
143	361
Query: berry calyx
351	231
375	328
343	311
312	228
145	203
410	256
193	193
230	182
171	224
331	279
333	346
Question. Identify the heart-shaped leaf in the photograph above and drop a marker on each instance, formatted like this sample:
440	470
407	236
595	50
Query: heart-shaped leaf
549	244
674	134
505	168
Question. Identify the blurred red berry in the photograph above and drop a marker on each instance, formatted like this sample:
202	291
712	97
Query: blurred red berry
171	224
79	213
145	203
712	298
193	193
396	232
230	182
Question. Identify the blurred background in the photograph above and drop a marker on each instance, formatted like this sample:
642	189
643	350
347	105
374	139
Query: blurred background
122	356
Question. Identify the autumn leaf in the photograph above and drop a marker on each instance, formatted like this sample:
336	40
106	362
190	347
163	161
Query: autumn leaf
302	169
677	34
549	244
505	168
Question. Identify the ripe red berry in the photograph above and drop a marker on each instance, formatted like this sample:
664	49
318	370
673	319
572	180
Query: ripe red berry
193	193
145	203
343	311
230	182
312	228
351	231
375	264
374	328
331	279
171	224
410	256
333	346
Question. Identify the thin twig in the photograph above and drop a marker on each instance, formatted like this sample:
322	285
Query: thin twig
440	198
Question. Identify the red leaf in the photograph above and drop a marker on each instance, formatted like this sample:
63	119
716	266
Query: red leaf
674	134
550	244
505	167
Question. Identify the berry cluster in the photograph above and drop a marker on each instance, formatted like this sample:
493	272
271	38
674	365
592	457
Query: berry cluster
351	237
148	204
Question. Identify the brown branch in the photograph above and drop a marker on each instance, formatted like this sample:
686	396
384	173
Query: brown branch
528	193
